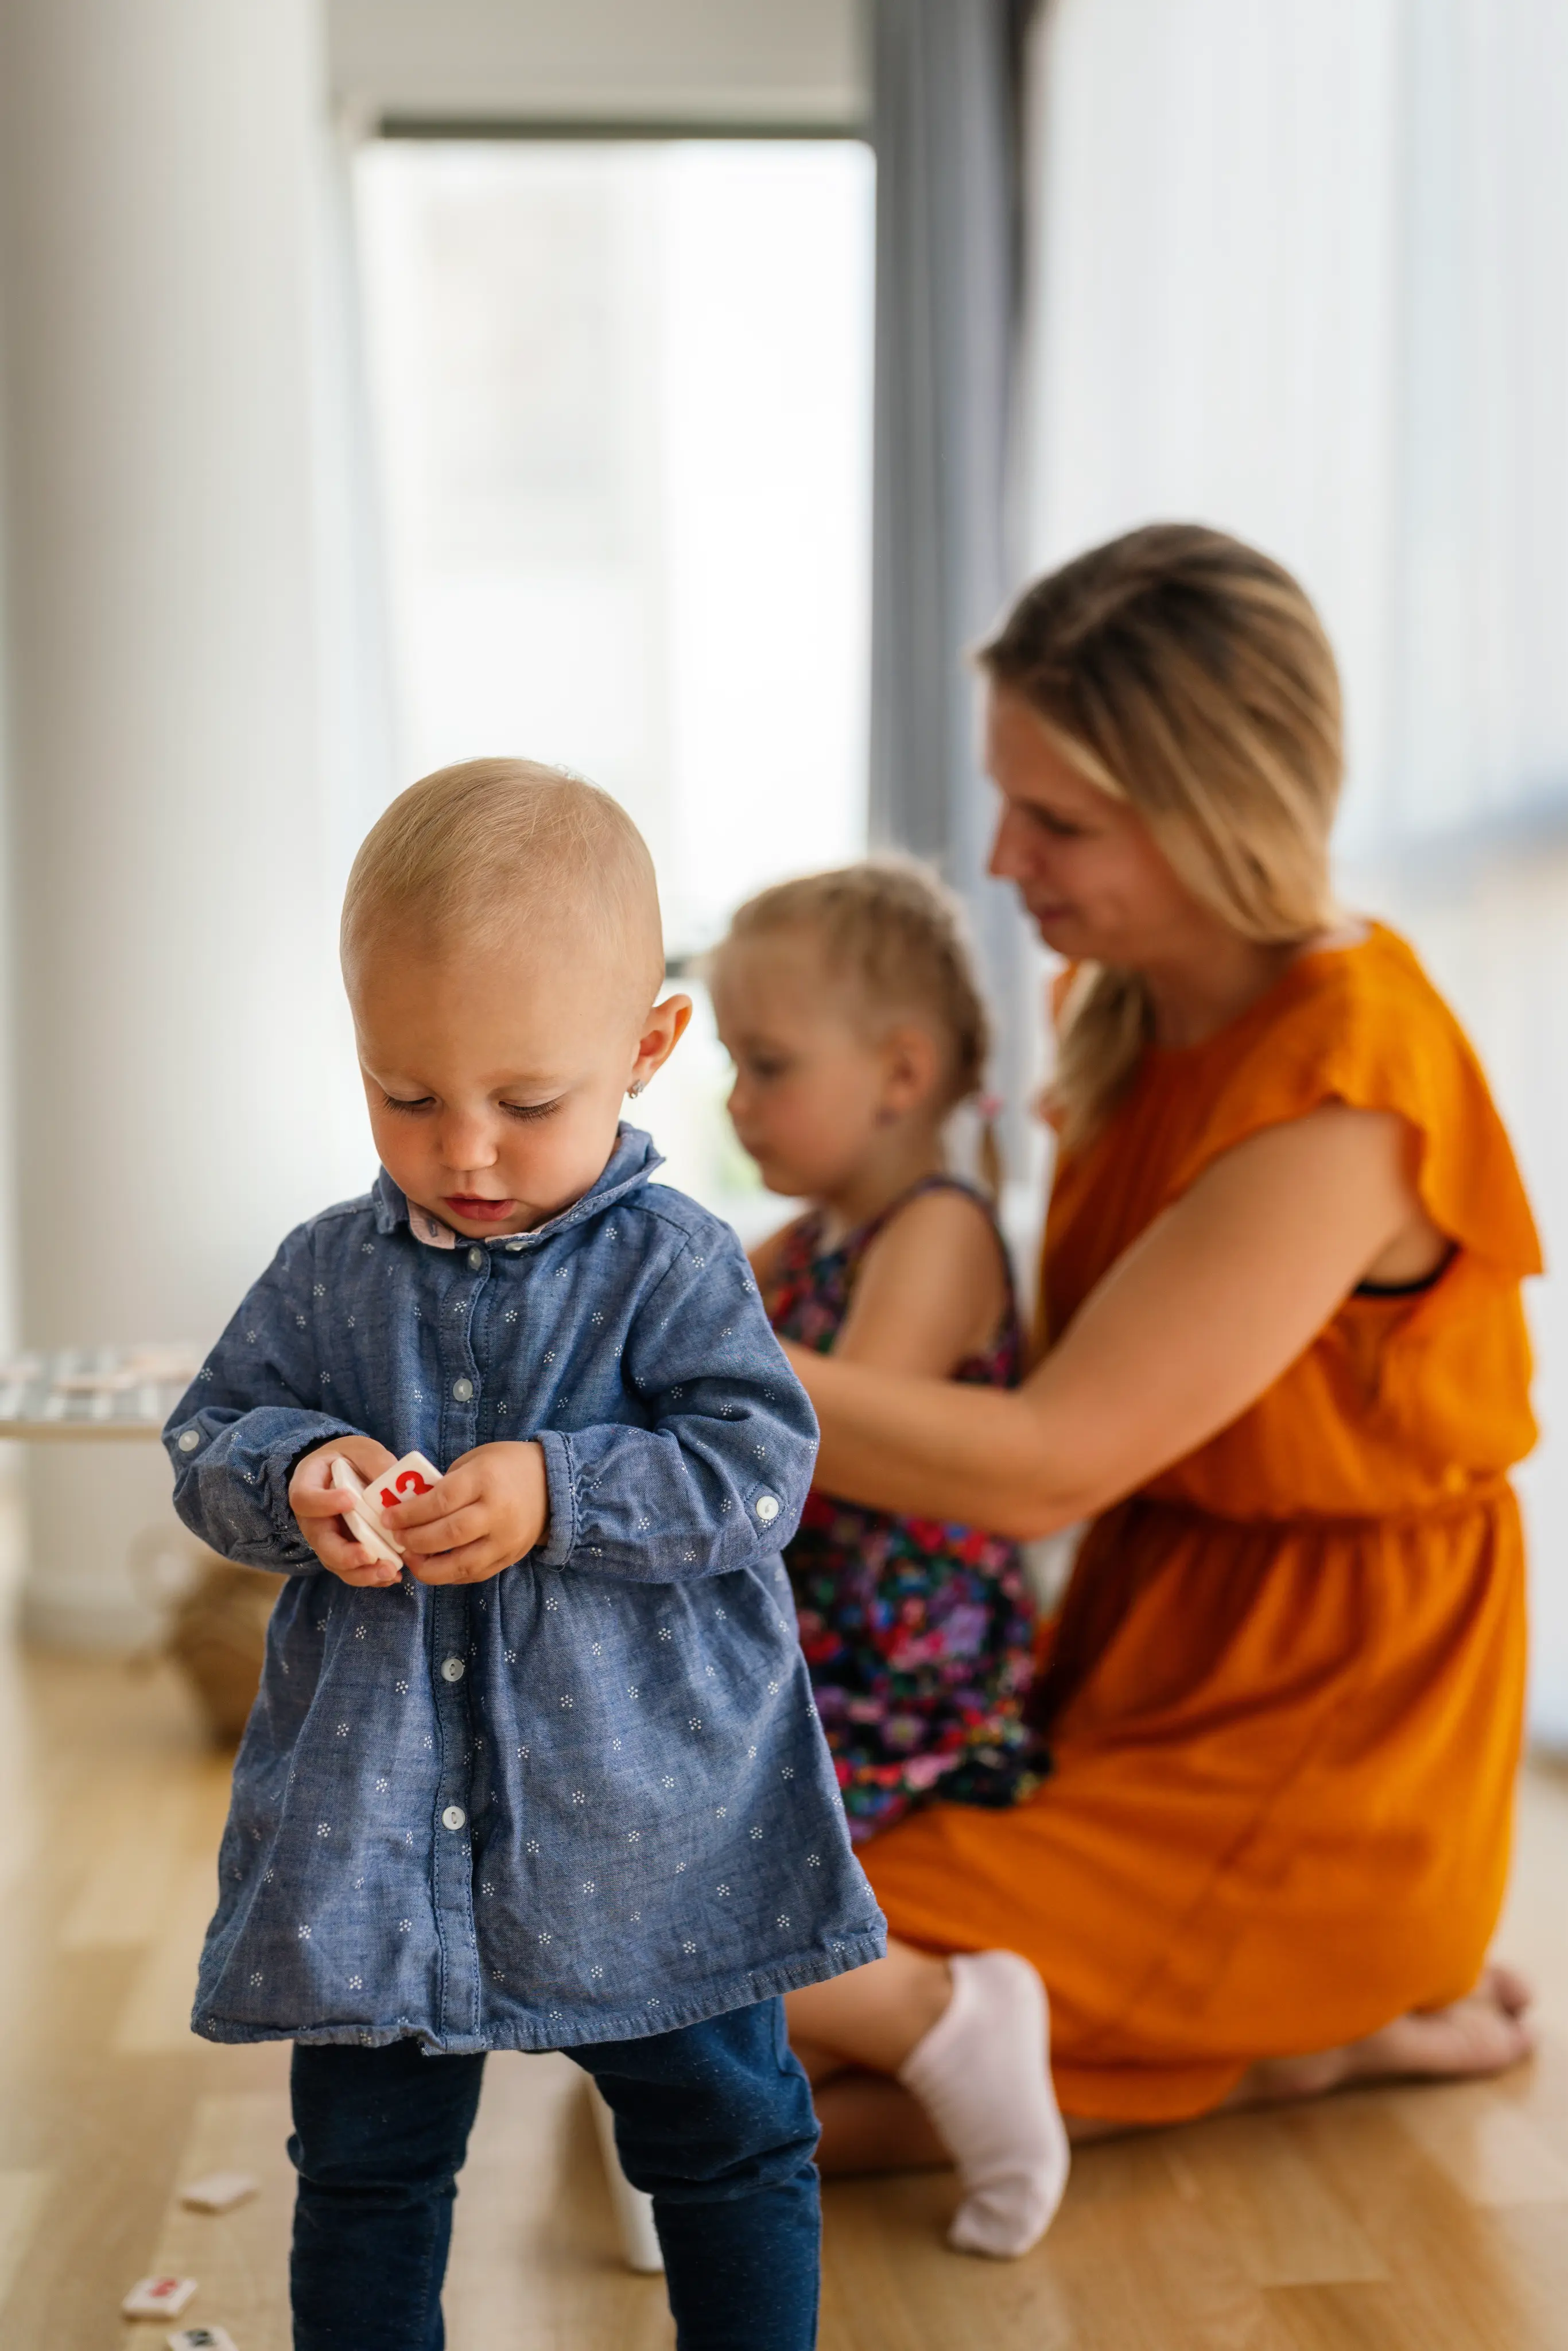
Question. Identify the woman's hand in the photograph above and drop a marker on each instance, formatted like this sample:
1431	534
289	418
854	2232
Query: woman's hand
1192	1323
490	1509
318	1506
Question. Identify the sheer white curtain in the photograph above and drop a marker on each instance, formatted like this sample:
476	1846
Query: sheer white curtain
1301	271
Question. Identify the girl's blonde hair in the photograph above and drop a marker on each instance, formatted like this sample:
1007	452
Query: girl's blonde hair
891	930
1188	676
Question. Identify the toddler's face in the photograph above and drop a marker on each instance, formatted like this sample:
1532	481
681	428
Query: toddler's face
809	1084
495	1081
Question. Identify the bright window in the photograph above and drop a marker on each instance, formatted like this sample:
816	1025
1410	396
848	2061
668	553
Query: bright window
624	399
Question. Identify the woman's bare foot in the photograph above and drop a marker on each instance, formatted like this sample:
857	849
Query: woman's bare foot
1486	2032
870	2123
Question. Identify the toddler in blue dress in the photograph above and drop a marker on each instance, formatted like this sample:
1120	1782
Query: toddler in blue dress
556	1779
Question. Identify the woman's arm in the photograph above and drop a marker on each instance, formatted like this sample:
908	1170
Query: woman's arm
1191	1324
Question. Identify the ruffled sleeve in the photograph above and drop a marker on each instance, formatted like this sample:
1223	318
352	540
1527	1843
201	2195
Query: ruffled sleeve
1364	1026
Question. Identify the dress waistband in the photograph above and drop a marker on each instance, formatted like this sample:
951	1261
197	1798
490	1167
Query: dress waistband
1480	1494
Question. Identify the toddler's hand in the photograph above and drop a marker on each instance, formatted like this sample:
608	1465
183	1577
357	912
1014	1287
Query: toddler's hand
318	1506
492	1506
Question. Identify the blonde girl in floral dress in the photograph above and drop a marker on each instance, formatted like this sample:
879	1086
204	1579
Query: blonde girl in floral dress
848	1002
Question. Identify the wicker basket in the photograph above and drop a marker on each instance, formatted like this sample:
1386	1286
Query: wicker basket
217	1636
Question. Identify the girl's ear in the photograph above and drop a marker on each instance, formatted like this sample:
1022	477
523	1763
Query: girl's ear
662	1032
911	1069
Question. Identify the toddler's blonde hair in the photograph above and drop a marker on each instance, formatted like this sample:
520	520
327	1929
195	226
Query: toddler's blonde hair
491	846
890	931
1185	673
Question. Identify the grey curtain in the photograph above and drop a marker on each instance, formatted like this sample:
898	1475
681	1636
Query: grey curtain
946	128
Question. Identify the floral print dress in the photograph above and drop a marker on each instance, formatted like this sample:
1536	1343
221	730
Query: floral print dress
916	1632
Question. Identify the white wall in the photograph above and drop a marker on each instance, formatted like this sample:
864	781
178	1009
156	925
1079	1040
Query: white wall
184	1085
12	1458
748	62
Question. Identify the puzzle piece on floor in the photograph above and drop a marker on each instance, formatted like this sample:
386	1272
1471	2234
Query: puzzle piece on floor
201	2338
218	2191
158	2297
363	1518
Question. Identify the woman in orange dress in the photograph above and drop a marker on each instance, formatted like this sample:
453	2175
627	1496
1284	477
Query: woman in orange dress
1285	1373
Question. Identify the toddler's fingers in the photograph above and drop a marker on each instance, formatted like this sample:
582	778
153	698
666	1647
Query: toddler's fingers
367	1578
472	1564
467	1525
336	1548
359	1563
450	1493
312	1493
317	1502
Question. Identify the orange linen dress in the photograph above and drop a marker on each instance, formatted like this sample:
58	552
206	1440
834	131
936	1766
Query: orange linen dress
1285	1692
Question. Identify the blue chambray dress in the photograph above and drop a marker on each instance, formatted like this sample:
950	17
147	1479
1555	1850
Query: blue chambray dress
590	1799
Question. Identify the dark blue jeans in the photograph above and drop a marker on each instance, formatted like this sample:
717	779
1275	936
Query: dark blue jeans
713	2121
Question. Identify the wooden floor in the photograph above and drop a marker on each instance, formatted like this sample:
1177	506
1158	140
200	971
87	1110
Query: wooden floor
1411	2220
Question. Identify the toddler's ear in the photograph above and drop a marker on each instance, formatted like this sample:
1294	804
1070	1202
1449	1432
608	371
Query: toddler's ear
911	1067
663	1029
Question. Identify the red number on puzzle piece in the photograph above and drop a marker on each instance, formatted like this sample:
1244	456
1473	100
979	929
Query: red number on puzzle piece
411	1482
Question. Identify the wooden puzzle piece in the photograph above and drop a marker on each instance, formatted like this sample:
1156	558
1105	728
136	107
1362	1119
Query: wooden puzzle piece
218	2191
360	1512
158	2297
413	1475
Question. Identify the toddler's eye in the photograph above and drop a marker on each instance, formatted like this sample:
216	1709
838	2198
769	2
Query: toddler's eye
392	1102
532	1109
1058	827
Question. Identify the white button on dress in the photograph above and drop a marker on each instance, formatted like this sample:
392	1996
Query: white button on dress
453	1669
463	1390
453	1817
476	1259
767	1508
189	1439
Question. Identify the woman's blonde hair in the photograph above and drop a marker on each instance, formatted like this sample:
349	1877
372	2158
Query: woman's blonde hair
896	935
1188	676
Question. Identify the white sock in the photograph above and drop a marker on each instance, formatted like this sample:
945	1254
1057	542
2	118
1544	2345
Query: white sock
983	2076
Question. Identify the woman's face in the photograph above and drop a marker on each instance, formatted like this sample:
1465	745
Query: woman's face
1085	865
